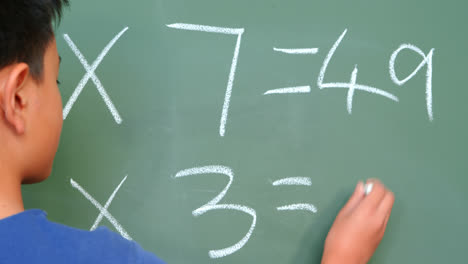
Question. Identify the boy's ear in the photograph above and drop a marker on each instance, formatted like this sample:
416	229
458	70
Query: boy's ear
13	99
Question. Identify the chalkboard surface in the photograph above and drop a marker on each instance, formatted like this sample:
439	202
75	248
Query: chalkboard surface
234	131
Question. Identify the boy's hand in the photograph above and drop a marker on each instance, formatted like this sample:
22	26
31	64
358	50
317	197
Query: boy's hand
359	226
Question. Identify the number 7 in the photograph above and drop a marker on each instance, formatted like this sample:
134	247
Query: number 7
232	72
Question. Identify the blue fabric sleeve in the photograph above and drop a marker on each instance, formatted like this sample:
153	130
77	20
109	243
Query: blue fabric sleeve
29	237
125	250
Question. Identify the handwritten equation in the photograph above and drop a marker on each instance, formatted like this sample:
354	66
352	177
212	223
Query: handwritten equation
213	204
351	85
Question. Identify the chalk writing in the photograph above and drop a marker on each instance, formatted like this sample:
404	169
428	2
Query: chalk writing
298	207
306	181
90	73
213	205
232	72
103	212
297	89
289	90
427	60
295	181
297	51
352	85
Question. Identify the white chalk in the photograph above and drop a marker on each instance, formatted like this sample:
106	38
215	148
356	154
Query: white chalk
232	72
206	28
90	74
306	181
213	205
213	169
349	98
352	86
297	51
298	207
103	210
426	60
220	253
368	188
106	206
289	90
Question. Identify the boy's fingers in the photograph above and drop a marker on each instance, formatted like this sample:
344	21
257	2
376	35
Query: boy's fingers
386	205
373	199
355	198
384	225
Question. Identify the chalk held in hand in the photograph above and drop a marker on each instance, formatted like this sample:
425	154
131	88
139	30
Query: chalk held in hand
368	188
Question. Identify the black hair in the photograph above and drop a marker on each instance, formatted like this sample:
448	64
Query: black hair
26	30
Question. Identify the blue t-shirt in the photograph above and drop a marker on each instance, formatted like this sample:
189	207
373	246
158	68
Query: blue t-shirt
28	237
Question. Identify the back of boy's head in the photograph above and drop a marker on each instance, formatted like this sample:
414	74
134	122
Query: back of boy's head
26	30
30	102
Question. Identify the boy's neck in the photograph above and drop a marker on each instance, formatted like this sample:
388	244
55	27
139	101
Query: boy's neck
11	201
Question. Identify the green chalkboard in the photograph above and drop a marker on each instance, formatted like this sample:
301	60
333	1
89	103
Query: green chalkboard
169	81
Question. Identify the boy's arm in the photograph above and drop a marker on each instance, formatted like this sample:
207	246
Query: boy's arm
359	226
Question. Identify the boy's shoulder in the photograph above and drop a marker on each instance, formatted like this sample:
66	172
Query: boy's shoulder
29	237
